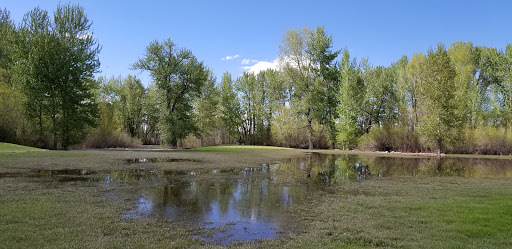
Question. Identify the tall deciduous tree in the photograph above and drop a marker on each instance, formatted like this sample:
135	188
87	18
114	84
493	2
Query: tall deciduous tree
151	109
57	61
10	108
230	109
466	90
131	105
415	76
319	45
307	58
207	108
439	123
180	76
350	96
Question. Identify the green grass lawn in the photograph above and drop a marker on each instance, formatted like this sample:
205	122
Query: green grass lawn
394	212
14	148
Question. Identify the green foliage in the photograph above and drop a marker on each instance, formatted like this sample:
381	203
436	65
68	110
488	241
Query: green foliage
309	68
485	140
131	106
288	130
447	100
56	62
350	96
230	110
466	90
326	72
439	123
180	77
151	105
207	108
414	76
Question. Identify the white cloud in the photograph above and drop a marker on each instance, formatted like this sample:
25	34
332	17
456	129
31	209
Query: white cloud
247	61
227	58
260	65
85	36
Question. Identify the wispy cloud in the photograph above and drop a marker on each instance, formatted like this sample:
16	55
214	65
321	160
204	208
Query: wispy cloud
227	58
247	61
260	65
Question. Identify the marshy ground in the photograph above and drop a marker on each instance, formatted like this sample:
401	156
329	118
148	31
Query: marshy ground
249	196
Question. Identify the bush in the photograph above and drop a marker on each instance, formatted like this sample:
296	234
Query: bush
289	130
485	140
107	139
391	139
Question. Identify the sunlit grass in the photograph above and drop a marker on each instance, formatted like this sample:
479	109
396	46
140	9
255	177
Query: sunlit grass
14	148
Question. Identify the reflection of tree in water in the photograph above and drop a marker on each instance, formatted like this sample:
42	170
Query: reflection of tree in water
437	167
265	192
320	169
252	197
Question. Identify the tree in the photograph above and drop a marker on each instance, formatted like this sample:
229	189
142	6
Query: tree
11	110
307	60
151	115
319	45
207	108
380	99
180	77
439	123
131	95
415	75
277	96
402	85
351	98
57	61
496	103
230	109
466	90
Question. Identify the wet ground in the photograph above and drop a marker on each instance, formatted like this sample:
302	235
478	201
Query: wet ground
229	205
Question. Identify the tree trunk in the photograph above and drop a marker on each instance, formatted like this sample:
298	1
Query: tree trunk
438	146
200	142
310	134
40	123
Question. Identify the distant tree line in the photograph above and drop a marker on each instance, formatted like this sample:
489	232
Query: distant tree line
456	99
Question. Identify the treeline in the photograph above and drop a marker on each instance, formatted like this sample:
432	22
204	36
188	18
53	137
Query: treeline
46	77
456	99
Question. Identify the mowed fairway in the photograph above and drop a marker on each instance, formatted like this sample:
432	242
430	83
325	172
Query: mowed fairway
389	212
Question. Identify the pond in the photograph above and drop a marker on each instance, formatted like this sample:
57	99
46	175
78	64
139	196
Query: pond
231	205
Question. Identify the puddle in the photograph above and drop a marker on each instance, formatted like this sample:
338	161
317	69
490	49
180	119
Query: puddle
242	208
245	204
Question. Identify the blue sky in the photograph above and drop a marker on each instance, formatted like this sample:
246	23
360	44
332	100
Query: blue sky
381	30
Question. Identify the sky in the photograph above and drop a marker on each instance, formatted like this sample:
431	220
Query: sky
238	36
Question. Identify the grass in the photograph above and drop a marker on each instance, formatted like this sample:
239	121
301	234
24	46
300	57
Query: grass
6	148
394	212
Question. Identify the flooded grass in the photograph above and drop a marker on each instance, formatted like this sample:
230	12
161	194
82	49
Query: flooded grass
269	199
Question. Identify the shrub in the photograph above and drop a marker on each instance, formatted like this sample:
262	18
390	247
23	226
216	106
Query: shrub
485	140
390	139
108	139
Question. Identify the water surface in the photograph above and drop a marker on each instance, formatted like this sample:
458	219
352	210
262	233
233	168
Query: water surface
245	204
